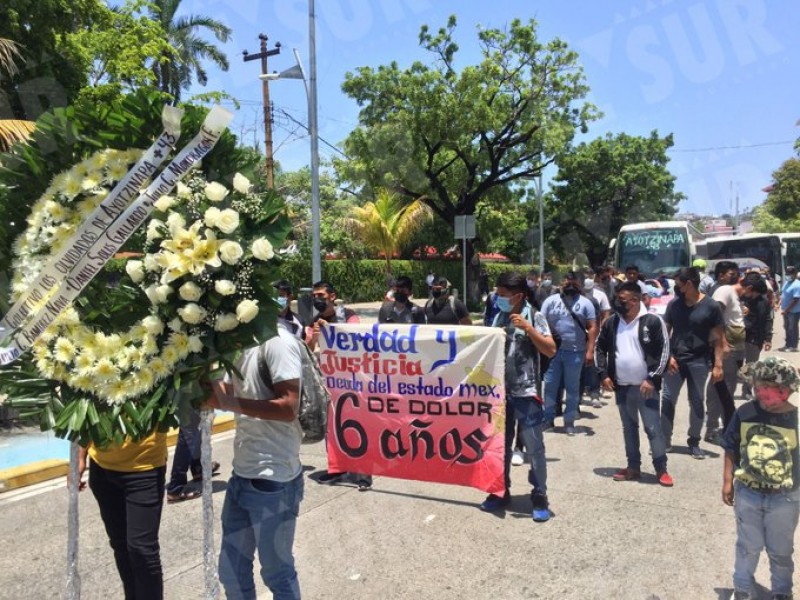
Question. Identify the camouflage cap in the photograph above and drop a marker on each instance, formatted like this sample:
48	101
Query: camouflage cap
774	369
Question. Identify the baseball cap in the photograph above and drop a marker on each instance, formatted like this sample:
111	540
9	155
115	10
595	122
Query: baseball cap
283	285
774	369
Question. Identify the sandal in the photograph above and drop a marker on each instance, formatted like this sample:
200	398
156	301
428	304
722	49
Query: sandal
186	493
215	466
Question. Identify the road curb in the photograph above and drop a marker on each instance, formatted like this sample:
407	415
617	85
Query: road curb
44	470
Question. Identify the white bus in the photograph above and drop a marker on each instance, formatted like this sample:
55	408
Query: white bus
766	247
791	243
654	247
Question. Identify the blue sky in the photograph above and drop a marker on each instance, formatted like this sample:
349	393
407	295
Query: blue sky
721	75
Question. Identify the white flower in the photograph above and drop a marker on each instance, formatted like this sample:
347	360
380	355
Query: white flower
226	322
135	270
195	344
247	310
164	203
153	325
241	183
230	252
163	292
225	287
215	191
175	222
183	190
154	230
192	313
190	291
262	249
151	263
228	221
176	324
211	216
151	294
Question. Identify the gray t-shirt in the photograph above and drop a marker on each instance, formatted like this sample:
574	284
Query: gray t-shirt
563	324
522	357
266	449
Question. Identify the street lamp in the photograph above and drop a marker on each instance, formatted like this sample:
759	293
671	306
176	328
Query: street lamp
297	72
538	183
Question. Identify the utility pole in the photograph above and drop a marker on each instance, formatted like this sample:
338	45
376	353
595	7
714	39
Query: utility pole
263	55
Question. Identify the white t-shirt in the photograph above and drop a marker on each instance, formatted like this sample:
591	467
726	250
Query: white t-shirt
732	312
602	299
630	363
266	449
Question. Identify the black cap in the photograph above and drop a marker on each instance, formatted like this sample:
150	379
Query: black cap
283	285
442	282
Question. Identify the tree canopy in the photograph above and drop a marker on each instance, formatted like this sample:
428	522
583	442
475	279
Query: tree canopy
608	182
781	210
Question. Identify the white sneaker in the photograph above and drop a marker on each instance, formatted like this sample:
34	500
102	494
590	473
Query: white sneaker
517	458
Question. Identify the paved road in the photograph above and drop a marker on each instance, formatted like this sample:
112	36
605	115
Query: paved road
406	539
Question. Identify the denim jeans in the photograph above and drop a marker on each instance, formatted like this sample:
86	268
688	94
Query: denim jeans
791	323
187	454
130	507
530	416
731	363
565	368
694	372
764	521
631	404
590	380
751	355
260	514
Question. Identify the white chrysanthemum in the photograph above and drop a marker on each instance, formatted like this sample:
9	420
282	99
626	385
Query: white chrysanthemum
228	221
164	203
84	362
230	252
247	310
64	350
116	392
226	322
56	211
170	355
150	346
175	324
160	368
225	287
241	183
192	313
117	170
145	379
135	270
262	249
105	370
190	291
215	192
180	341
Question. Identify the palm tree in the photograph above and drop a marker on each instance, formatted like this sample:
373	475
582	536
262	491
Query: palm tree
387	224
175	74
11	130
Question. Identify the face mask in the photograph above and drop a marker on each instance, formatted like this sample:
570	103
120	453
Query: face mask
620	307
321	304
771	397
571	291
401	297
531	284
547	282
679	293
437	293
503	304
282	301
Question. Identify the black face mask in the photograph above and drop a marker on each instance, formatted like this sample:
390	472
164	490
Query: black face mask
437	293
620	307
679	293
401	297
321	304
571	291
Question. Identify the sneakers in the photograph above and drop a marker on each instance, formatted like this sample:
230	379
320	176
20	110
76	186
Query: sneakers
596	403
627	475
517	458
569	429
541	507
697	452
665	480
713	436
330	478
494	502
364	486
788	596
740	595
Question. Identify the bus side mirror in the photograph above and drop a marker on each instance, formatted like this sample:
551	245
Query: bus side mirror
612	243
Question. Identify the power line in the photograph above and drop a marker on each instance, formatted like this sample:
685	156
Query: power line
740	146
304	126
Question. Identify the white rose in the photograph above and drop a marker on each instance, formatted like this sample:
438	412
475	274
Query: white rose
175	222
241	183
153	325
154	228
195	344
226	322
216	191
135	270
211	216
151	294
176	324
164	203
247	310
183	190
225	287
262	249
163	292
190	291
230	252
228	221
192	313
151	263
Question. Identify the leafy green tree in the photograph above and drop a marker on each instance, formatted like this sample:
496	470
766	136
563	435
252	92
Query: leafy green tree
175	72
452	135
602	185
781	210
387	224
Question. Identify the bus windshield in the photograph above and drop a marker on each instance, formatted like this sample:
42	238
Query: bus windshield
792	242
654	250
766	248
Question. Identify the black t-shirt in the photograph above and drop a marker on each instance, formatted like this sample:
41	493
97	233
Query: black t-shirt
411	313
449	312
691	327
764	446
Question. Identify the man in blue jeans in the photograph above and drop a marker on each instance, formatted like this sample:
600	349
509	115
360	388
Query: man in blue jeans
262	501
790	309
632	353
573	322
527	335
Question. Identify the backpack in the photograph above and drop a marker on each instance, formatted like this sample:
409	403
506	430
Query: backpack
314	396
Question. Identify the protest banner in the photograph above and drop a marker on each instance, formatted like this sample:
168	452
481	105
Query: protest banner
416	402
